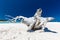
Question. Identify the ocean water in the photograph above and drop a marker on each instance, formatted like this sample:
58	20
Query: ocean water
17	21
9	22
3	22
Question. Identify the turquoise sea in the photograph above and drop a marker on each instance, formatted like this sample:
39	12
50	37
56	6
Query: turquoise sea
4	22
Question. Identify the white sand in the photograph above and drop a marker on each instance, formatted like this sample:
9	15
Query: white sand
18	31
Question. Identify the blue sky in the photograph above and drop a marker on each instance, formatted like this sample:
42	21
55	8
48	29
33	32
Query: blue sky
28	8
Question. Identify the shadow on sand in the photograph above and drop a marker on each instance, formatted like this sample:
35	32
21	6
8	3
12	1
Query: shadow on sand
45	30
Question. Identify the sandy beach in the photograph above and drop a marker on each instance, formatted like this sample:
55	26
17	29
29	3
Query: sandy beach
18	31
